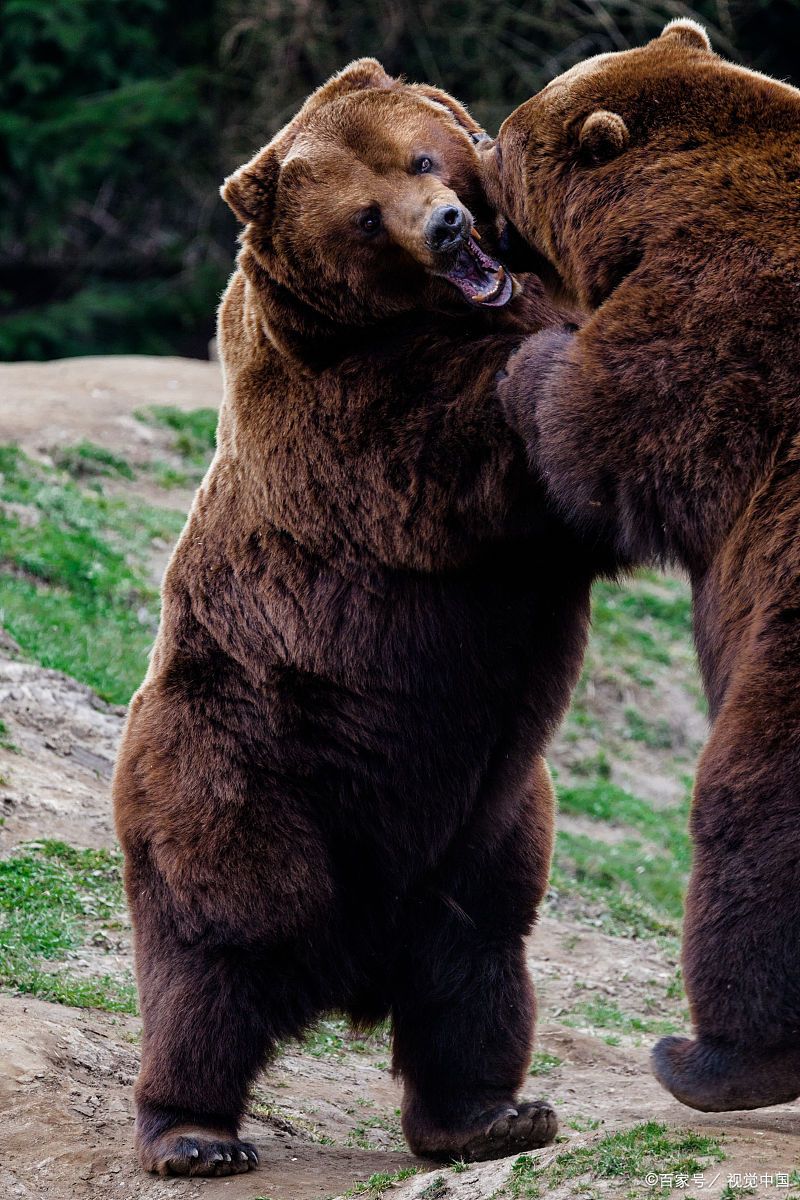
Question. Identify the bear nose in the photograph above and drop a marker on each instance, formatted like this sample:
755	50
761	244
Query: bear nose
446	227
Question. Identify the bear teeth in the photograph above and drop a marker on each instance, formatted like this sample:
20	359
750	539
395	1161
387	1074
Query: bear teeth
480	278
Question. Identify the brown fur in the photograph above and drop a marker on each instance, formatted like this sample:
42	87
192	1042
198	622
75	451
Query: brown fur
669	428
330	792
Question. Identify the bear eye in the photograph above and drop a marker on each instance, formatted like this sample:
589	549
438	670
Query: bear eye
369	221
423	165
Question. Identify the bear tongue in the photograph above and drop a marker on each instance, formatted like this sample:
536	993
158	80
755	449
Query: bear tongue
479	278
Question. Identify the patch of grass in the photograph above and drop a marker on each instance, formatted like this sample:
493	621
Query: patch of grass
618	628
631	889
601	1013
85	460
437	1189
628	1156
360	1134
658	735
50	894
525	1177
195	431
376	1185
333	1037
583	1124
638	630
167	476
263	1107
5	739
596	767
632	1154
74	591
605	801
543	1063
672	613
638	883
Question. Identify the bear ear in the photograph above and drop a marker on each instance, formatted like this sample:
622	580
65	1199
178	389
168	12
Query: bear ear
603	136
250	191
357	76
688	32
456	110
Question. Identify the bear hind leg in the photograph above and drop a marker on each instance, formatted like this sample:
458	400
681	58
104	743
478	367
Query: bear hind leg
212	1017
741	951
463	1057
465	1008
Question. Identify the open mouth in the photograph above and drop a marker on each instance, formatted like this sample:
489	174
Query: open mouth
479	278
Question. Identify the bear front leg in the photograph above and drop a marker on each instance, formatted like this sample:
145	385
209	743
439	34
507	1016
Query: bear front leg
464	1007
528	378
741	951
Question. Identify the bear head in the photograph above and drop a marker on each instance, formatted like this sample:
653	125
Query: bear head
369	203
632	150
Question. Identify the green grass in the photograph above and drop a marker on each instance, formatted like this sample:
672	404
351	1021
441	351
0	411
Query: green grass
658	735
627	1157
543	1063
195	431
437	1189
601	1013
605	801
597	767
74	591
51	895
639	629
377	1184
639	881
634	1153
167	476
333	1038
672	613
85	459
618	627
6	742
639	891
583	1124
361	1134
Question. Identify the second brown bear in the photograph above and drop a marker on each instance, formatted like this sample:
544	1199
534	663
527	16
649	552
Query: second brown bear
659	189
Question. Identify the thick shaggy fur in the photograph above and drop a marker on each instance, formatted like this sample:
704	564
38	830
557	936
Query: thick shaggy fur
661	187
330	792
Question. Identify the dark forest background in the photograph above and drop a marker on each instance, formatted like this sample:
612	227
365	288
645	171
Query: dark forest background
119	118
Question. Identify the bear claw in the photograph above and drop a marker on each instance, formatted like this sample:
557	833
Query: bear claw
526	1127
199	1153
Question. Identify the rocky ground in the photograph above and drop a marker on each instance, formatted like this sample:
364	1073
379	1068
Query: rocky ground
325	1115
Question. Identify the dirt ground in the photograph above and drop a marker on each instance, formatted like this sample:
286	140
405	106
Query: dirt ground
324	1116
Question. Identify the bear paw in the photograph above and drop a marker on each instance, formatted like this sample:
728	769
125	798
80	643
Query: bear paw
714	1076
187	1151
529	377
497	1132
512	1131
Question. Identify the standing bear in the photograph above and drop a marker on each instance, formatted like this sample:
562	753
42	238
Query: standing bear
330	792
660	188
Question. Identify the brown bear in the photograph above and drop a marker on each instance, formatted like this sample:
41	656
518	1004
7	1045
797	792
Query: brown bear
330	792
659	187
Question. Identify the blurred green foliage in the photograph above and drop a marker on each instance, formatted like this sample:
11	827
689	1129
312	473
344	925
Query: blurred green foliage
118	121
106	176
